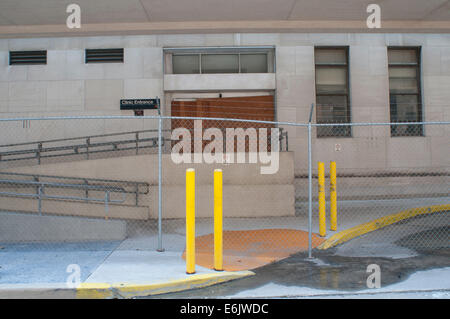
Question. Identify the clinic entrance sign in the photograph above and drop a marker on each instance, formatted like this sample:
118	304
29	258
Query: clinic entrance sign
139	104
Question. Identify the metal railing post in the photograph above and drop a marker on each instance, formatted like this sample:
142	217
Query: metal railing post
137	193
39	153
106	204
137	143
36	179
286	135
86	192
88	141
280	139
40	200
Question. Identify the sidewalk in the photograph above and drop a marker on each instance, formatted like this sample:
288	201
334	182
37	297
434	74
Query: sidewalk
120	274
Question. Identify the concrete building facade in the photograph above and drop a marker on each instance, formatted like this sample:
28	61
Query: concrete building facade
276	59
66	86
300	52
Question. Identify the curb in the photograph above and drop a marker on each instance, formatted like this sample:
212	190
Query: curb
117	290
125	290
373	225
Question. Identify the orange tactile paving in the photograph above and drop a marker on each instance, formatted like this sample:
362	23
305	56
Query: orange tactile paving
248	249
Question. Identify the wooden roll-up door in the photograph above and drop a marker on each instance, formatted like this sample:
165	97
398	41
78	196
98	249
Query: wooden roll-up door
248	107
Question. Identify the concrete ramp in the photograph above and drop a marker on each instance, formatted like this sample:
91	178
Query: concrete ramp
247	192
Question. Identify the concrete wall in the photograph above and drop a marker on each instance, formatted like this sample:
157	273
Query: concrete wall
370	149
68	86
23	227
219	82
247	193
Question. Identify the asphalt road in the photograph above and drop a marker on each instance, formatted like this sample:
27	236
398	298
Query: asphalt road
400	250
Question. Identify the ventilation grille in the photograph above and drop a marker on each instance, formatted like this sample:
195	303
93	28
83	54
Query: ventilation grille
104	55
27	57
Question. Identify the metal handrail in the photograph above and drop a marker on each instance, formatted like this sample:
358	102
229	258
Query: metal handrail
87	148
79	138
41	194
137	188
82	179
64	185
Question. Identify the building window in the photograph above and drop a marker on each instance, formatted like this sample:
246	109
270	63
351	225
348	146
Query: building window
254	63
219	60
332	91
186	64
405	90
27	57
220	63
104	56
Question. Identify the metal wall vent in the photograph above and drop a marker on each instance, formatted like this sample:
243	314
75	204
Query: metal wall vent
27	57
104	55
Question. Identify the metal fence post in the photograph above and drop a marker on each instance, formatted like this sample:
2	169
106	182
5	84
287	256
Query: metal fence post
160	248
310	185
309	194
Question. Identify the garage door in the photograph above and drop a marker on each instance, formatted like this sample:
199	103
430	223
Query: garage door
248	107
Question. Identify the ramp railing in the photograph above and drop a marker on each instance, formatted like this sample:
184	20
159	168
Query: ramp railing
83	145
90	187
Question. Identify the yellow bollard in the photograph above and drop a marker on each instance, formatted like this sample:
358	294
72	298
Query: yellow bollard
190	221
333	197
218	220
322	216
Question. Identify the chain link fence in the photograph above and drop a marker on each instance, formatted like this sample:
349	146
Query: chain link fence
121	181
393	189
